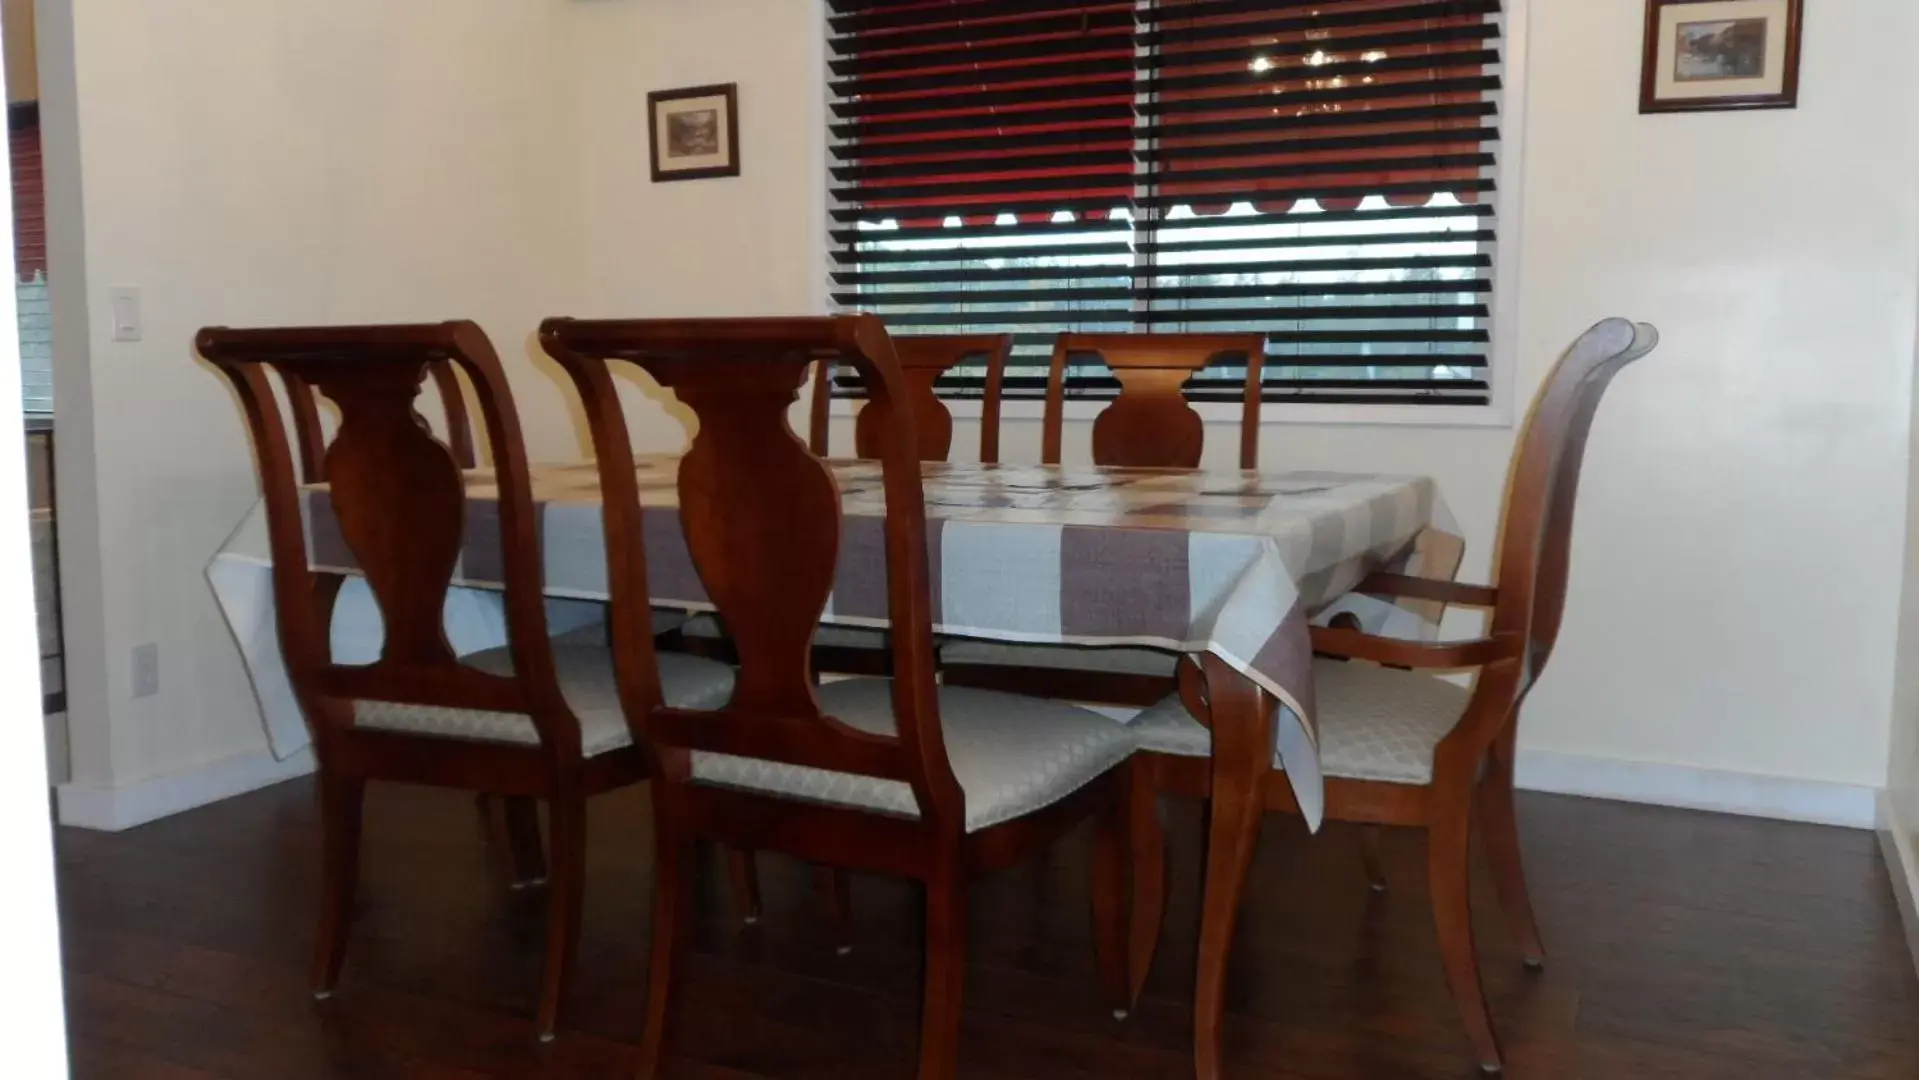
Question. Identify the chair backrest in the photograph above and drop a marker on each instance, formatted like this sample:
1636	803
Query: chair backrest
923	359
1536	539
1151	424
399	499
761	515
311	438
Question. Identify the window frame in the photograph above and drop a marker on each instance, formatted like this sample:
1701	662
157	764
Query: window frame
1502	325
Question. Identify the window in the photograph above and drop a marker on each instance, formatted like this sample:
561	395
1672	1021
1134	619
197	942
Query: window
1319	171
30	260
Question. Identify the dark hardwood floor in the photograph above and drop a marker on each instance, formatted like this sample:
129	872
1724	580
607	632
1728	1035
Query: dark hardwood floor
1683	945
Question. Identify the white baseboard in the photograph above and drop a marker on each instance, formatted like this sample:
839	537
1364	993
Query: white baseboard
1900	846
1822	802
1825	803
115	808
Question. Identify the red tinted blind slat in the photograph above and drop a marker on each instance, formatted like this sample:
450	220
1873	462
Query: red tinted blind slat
29	203
1321	170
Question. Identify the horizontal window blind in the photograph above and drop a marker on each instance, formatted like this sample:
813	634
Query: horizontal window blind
1318	171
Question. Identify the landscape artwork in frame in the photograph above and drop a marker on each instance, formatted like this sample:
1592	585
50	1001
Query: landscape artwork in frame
695	132
1720	54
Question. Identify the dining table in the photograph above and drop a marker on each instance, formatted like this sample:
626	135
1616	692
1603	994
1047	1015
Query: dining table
1230	567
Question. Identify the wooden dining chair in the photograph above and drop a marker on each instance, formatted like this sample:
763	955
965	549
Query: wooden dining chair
899	776
514	825
534	719
1149	425
1401	747
310	435
923	360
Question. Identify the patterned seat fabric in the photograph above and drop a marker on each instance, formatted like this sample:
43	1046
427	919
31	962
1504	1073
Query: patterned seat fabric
586	678
1011	754
844	637
1110	660
1375	723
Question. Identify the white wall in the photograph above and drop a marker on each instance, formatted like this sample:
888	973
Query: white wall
249	162
1899	808
1734	602
1742	520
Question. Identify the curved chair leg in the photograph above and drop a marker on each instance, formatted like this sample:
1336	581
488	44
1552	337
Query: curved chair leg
672	873
566	894
523	843
1447	847
1499	829
342	802
1111	848
836	898
945	977
744	874
1369	844
1146	836
1242	722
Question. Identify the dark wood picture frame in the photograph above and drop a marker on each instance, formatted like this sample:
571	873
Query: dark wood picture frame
1651	102
658	98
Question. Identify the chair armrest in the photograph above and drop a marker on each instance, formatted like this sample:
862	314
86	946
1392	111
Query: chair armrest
1417	588
1357	645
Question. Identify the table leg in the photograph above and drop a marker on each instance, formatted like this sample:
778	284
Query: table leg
1242	722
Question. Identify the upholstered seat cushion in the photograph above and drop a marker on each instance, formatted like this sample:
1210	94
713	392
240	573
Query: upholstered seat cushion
1120	660
844	637
586	678
665	619
1375	723
1011	754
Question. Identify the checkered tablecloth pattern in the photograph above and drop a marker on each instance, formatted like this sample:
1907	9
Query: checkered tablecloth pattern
1231	563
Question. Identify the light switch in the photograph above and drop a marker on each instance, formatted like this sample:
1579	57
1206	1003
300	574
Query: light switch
124	302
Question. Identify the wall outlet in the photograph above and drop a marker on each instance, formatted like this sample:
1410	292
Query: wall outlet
146	669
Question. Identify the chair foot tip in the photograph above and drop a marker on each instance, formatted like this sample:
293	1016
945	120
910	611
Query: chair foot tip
751	920
1379	886
1491	1068
1122	1014
844	950
1535	963
546	1036
322	995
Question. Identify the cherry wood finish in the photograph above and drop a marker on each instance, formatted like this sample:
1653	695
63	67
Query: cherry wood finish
515	821
310	435
1473	766
923	359
1151	424
761	515
400	501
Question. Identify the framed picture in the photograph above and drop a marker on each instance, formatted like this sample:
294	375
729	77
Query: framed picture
695	131
1720	54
